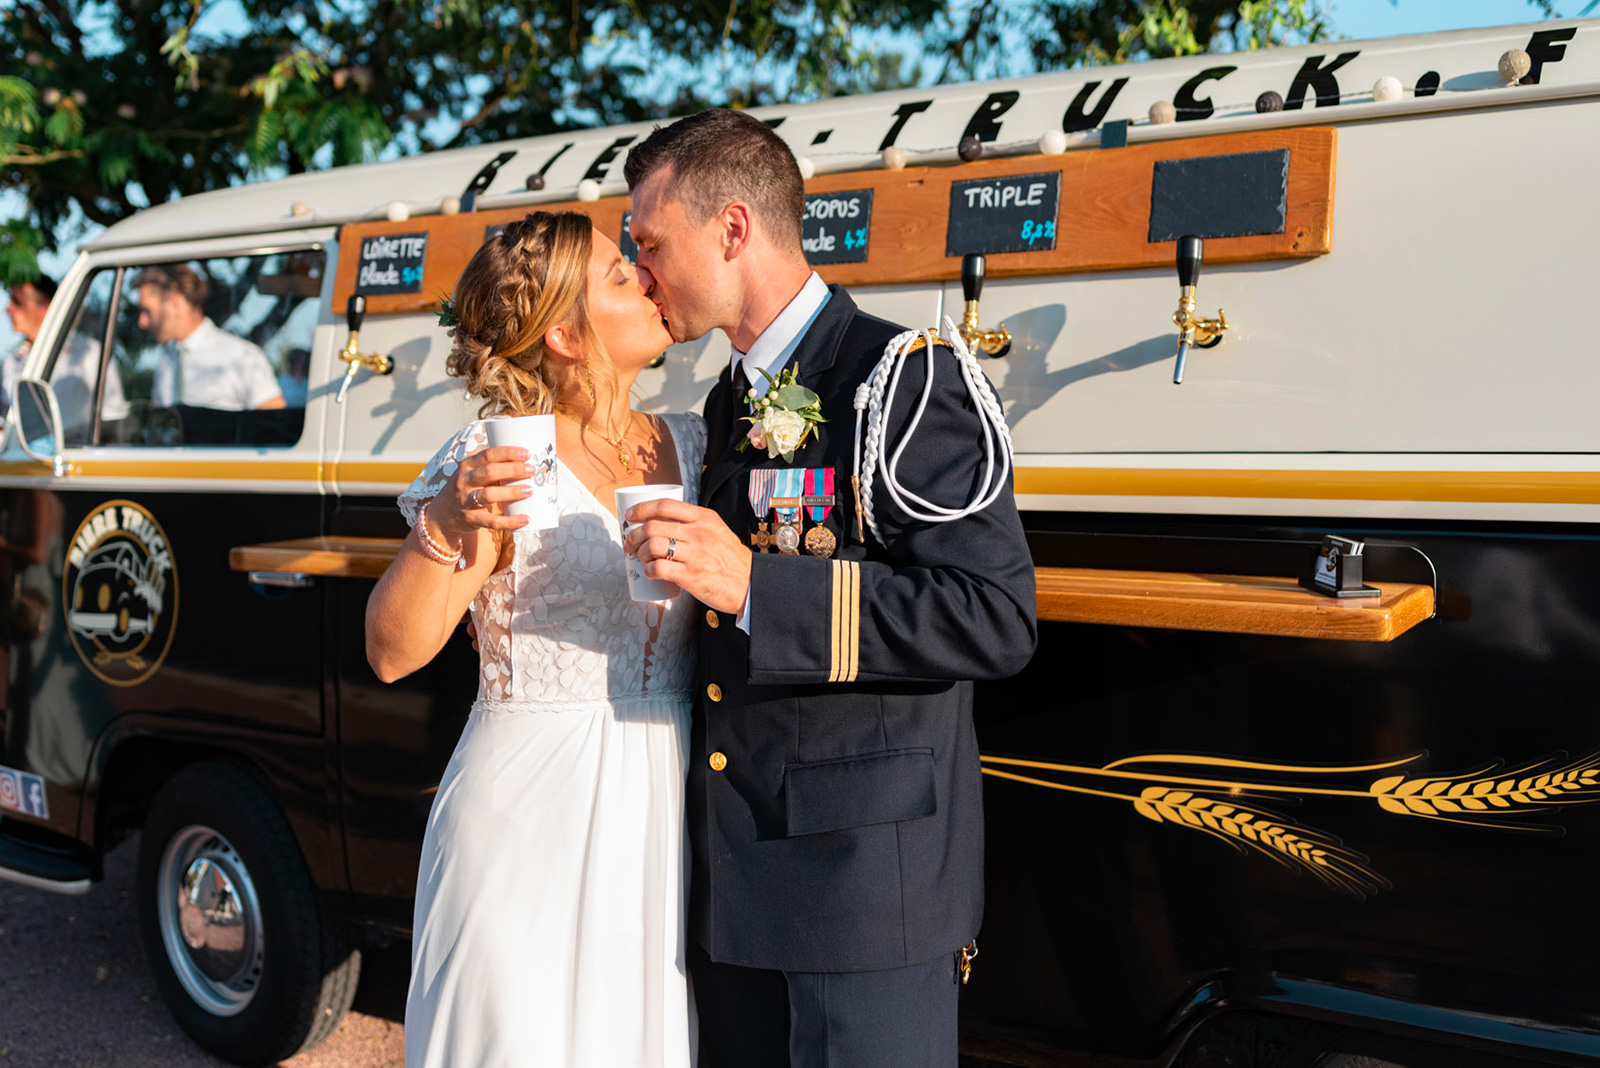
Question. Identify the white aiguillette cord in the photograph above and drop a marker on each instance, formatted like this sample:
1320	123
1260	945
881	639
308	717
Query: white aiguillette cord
875	398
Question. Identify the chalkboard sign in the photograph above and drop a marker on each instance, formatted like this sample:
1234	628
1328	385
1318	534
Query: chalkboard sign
836	227
1015	214
1237	195
630	251
392	263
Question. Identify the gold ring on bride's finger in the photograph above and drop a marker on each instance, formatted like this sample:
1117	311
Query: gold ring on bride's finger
672	547
476	497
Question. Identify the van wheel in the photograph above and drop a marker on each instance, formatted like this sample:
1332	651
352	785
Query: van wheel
248	959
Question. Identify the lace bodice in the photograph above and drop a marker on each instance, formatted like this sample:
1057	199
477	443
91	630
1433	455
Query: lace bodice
557	623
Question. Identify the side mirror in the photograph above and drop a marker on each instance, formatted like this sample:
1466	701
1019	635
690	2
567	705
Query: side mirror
37	415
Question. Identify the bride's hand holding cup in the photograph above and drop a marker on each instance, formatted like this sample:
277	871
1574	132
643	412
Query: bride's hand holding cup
475	498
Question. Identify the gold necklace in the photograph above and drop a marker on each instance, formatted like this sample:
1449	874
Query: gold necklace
618	443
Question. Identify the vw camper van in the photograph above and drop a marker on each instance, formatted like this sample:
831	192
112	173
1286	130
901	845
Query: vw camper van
1304	769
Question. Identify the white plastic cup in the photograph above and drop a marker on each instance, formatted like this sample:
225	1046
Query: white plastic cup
641	588
537	434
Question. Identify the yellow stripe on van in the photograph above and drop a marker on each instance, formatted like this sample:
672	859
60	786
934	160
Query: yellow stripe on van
1503	487
1491	487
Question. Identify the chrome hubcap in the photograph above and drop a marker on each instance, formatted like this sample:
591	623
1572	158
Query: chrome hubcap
210	920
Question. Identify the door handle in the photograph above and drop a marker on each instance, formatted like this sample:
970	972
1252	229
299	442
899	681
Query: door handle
289	580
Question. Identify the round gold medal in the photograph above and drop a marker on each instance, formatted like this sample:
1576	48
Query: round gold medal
820	541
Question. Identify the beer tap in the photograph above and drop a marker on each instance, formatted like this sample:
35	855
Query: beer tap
354	311
994	343
1199	333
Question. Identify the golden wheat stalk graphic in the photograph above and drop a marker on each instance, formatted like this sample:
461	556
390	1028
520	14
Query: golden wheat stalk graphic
1248	829
1484	797
1455	799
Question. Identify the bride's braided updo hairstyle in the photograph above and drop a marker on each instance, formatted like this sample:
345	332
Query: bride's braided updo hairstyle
522	281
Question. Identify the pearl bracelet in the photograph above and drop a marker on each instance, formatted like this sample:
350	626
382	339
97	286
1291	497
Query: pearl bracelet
432	548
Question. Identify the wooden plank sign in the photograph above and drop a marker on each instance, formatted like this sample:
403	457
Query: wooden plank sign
1094	213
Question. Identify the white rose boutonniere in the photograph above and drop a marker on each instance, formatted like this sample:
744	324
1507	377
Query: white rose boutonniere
783	417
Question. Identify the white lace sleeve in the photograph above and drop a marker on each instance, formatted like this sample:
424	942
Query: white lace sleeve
439	470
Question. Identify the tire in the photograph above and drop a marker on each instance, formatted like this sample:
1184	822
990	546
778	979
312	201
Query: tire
247	957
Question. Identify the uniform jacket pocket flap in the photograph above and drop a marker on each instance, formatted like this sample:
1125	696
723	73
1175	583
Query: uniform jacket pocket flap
882	788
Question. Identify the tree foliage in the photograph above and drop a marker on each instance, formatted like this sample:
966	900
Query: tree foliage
107	106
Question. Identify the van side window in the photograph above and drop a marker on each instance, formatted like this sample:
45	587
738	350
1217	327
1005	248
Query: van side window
74	368
216	352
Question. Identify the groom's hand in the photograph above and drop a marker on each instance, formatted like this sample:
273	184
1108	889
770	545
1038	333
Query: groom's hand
707	559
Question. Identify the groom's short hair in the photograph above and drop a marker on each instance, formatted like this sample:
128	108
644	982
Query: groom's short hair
720	156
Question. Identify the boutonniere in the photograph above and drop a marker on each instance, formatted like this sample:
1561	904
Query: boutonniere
783	417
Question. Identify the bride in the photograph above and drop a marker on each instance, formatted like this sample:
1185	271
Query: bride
549	912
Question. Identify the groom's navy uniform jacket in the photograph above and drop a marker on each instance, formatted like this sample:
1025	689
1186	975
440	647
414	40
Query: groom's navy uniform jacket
834	792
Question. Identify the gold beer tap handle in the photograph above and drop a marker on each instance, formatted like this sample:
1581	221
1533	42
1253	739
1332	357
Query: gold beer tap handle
1193	331
377	363
995	342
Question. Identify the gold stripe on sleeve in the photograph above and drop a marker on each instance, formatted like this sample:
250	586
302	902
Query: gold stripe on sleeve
835	662
853	622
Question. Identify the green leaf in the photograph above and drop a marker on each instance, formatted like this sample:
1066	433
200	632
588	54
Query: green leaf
65	126
795	398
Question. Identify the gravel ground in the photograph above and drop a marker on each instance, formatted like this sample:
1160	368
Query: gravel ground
75	991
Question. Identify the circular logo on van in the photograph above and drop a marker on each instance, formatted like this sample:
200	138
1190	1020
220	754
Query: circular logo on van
120	592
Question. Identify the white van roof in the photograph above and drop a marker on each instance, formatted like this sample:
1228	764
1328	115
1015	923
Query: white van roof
1215	93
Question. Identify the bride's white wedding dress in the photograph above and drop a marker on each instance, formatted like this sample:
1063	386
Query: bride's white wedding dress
549	925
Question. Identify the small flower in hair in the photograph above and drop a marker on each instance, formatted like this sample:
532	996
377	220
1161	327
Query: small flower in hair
447	311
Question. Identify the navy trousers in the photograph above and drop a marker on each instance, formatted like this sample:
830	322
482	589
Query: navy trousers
754	1018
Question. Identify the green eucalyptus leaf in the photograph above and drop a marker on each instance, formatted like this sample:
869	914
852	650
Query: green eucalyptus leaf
797	398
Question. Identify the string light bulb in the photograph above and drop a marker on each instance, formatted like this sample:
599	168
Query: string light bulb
1515	65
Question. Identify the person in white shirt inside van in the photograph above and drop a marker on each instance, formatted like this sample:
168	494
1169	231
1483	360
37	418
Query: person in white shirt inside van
202	365
75	370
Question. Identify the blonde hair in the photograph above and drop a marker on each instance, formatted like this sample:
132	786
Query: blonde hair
522	281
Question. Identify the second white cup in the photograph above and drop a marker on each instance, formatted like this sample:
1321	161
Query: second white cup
641	588
537	434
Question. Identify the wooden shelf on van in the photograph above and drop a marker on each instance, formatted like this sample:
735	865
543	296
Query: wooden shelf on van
336	557
1234	604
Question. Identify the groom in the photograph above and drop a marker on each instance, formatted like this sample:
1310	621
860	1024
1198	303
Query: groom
834	797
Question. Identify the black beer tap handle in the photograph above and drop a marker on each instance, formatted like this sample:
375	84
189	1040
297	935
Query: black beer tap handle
1191	250
354	311
972	267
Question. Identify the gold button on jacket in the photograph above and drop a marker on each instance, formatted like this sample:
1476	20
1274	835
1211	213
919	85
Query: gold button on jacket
714	692
718	761
711	619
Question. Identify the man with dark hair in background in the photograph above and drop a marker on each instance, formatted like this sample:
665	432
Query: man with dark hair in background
76	369
201	364
834	794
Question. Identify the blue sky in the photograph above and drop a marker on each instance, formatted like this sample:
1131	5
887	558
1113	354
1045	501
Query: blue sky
1381	18
1355	19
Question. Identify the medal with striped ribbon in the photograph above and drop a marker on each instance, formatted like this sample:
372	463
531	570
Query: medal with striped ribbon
761	484
786	501
819	501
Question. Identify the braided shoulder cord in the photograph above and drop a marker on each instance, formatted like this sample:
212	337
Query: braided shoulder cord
875	463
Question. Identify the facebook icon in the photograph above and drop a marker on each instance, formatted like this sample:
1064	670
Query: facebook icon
33	802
